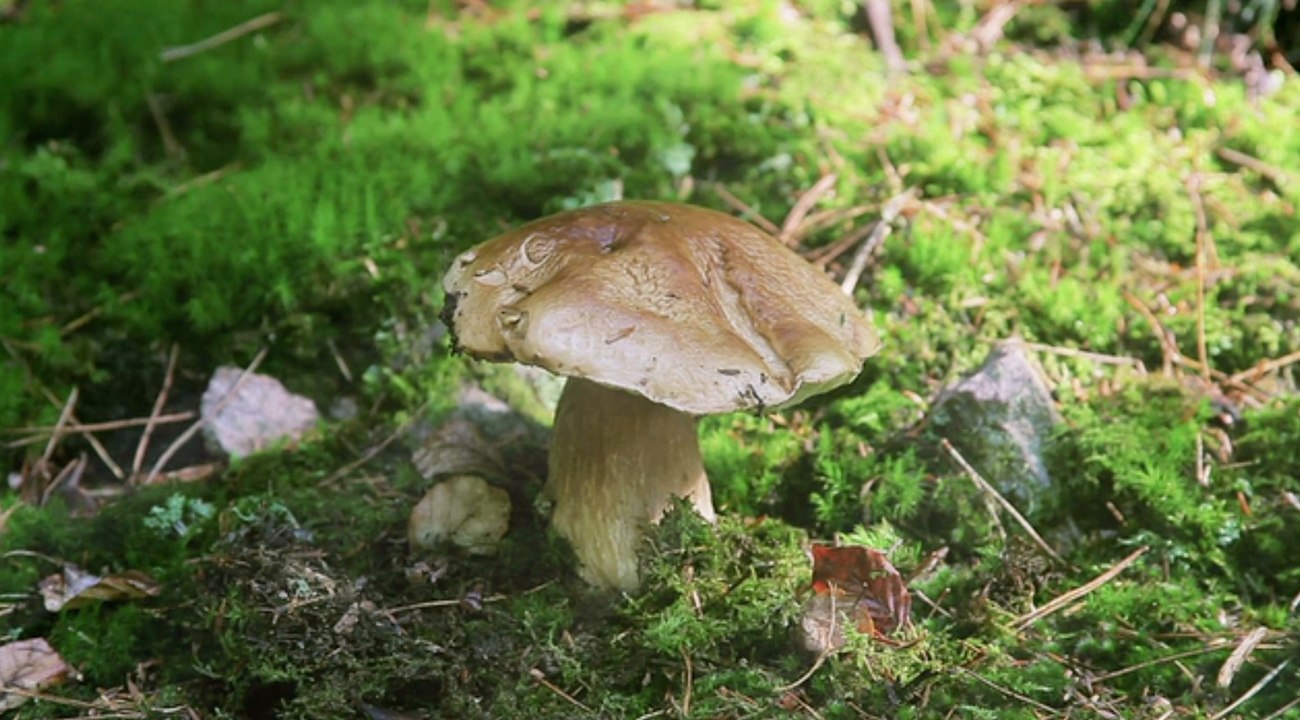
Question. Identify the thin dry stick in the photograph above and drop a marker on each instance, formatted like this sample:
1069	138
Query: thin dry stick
1158	661
803	205
883	227
100	451
372	452
1272	172
745	210
201	180
1252	692
1168	347
35	695
881	21
1010	693
158	404
77	323
1081	354
339	360
918	22
1239	655
984	487
1153	23
1069	597
821	220
821	657
1202	240
170	143
260	22
825	255
71	473
74	428
64	415
198	425
1266	367
988	31
440	604
690	682
538	676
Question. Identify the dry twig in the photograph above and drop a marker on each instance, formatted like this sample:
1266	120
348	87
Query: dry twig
1229	669
159	402
1081	354
73	428
1053	712
1070	596
540	678
100	451
1158	661
64	415
1252	692
988	490
803	206
746	212
1204	243
192	430
260	22
1170	354
892	210
1265	368
1275	174
881	20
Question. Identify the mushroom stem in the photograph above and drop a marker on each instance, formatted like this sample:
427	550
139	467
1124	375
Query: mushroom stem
616	462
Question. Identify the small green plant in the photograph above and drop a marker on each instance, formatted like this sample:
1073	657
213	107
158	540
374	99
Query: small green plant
179	516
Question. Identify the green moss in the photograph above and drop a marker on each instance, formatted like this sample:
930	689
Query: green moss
328	167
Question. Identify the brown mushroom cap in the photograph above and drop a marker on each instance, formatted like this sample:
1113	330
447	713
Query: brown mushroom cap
688	307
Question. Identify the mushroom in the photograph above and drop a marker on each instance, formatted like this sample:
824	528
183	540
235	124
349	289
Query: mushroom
463	510
657	313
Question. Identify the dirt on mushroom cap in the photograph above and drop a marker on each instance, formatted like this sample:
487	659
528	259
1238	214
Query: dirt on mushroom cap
686	306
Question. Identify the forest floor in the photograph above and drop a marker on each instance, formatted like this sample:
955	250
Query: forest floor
291	191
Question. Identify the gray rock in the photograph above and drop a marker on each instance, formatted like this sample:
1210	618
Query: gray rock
1001	418
260	413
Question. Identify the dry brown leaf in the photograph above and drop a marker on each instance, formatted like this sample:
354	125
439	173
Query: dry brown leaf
75	588
30	665
864	580
852	586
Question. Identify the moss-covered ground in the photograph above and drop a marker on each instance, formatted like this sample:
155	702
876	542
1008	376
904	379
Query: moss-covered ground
1078	180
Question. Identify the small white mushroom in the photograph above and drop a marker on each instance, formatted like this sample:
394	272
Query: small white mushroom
658	313
462	510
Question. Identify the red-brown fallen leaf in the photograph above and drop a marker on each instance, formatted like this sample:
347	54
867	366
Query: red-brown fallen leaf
75	587
30	665
864	581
